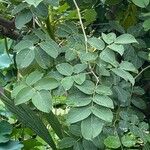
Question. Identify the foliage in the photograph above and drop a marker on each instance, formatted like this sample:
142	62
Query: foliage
89	59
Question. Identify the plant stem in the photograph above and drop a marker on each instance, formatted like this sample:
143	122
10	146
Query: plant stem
142	72
81	23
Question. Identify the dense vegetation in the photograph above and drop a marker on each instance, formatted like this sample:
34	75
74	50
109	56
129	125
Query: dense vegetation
74	74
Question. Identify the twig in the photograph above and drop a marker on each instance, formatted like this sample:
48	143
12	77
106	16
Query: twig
81	23
85	37
142	72
96	77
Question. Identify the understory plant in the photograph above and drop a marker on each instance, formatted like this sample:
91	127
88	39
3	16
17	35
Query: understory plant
75	74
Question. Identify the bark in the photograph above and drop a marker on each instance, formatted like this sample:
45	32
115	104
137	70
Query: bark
7	29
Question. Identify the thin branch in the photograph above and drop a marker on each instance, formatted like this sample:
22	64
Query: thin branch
142	72
85	37
96	77
81	23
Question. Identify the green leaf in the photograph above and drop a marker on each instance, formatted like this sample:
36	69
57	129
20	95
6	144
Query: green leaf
5	130
124	74
70	54
11	145
125	39
79	68
66	142
139	132
96	43
146	24
117	48
78	101
23	44
17	89
128	140
35	3
55	124
103	101
139	103
78	114
22	18
5	61
109	38
87	87
42	58
91	127
24	95
109	56
2	80
137	90
125	65
123	96
79	78
46	84
103	90
51	48
18	8
112	142
88	145
30	119
103	113
78	146
88	57
90	15
53	2
42	100
67	82
65	69
33	77
24	58
141	3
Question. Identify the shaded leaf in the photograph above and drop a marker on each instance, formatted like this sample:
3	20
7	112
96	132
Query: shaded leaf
103	90
103	101
22	18
78	114
87	87
66	142
24	95
24	58
50	48
109	38
117	48
11	145
35	3
103	113
79	78
125	65
79	68
65	69
46	84
124	74
91	127
67	82
109	56
42	100
33	77
125	39
96	43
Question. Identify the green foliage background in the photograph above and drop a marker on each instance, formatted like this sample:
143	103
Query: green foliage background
75	74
